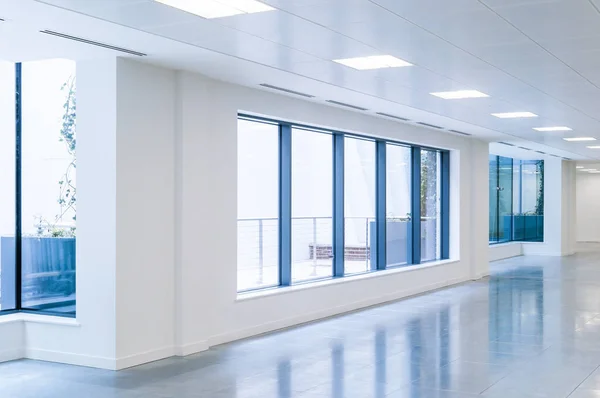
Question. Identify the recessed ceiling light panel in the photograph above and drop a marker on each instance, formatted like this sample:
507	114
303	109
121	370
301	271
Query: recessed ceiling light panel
218	8
594	147
579	139
579	167
460	94
514	115
555	128
373	62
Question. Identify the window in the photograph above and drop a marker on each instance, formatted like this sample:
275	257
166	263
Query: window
359	204
312	205
431	197
48	196
258	204
398	205
38	200
316	204
7	182
516	200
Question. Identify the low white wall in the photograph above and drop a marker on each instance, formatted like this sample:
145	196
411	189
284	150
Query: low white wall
505	250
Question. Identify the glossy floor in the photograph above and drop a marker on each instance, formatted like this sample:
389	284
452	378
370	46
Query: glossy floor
531	330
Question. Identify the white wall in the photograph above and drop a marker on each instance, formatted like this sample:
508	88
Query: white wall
505	250
207	136
588	207
157	219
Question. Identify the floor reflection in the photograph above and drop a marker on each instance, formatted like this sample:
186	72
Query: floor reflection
530	330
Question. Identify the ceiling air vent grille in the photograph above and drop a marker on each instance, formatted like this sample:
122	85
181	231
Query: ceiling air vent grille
543	153
522	147
92	43
285	90
460	132
393	116
346	105
505	143
429	125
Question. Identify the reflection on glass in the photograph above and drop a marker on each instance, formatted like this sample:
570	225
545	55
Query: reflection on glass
312	205
493	198
359	204
532	199
397	205
7	182
505	197
430	205
48	186
258	205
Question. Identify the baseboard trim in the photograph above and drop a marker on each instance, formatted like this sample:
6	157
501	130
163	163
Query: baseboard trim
192	348
144	357
11	354
319	315
70	358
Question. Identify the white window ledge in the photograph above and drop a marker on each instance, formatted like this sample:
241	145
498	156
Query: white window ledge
252	295
514	242
35	318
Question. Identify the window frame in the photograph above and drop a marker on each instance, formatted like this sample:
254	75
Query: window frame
337	167
18	266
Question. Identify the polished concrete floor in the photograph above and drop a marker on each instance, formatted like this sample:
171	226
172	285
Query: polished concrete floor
531	330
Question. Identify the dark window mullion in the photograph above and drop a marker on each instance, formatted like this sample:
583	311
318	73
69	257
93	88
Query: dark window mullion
415	206
18	154
338	205
380	207
285	205
445	210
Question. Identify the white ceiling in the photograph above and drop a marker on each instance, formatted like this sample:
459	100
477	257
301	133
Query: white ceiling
541	56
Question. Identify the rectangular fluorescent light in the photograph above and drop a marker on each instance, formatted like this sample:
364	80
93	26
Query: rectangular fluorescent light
514	115
373	62
589	169
460	94
578	139
579	167
218	8
594	147
555	128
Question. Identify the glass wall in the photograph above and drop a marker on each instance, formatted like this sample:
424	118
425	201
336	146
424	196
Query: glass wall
316	204
516	200
312	205
7	182
398	205
39	199
431	206
359	204
258	204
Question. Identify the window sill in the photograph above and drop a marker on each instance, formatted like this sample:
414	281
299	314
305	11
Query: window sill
245	296
514	242
35	318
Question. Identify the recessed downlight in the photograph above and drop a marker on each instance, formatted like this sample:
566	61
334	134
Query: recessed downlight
514	115
373	62
554	128
579	139
460	94
218	8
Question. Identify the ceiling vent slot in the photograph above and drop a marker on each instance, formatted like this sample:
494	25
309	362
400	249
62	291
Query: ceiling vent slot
92	43
567	158
285	90
556	156
460	132
522	147
543	153
393	116
505	143
346	105
433	126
